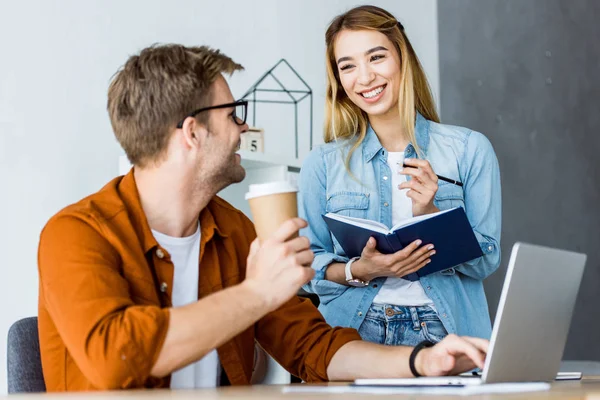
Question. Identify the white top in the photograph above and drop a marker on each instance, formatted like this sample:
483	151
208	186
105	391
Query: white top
185	255
398	291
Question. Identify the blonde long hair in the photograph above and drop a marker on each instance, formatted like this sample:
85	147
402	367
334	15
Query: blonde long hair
345	120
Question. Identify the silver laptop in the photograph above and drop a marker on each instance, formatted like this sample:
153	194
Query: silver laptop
531	326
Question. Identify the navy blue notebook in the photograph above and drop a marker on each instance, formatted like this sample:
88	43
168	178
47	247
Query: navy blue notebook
448	230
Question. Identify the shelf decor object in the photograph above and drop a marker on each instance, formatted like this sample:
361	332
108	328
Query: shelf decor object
253	140
281	94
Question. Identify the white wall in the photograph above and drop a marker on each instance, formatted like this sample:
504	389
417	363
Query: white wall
56	144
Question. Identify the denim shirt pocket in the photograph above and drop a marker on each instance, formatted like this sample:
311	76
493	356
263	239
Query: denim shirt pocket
448	196
350	204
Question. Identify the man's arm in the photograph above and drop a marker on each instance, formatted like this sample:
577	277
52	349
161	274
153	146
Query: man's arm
451	356
118	344
298	338
190	336
274	273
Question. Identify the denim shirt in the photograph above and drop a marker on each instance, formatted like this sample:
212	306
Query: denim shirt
454	152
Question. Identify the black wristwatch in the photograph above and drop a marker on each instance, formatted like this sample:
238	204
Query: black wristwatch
411	360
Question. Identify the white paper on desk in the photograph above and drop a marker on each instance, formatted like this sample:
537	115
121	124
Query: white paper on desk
449	390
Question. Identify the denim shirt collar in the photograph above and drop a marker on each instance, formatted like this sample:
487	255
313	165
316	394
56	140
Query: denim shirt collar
372	146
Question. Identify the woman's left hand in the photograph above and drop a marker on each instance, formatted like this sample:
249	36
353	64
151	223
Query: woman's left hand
422	187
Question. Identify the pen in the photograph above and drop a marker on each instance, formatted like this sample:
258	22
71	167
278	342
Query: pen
443	178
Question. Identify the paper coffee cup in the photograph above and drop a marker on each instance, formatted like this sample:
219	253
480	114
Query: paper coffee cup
271	205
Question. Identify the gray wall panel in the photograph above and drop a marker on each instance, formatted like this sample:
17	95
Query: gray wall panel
526	74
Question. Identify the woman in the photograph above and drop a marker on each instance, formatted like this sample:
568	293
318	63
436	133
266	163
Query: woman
380	115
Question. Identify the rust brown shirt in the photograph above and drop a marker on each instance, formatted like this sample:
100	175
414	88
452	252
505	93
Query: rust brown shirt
105	293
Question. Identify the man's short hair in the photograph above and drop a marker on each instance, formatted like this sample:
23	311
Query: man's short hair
156	89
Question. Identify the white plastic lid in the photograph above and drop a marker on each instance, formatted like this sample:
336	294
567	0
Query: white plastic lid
265	189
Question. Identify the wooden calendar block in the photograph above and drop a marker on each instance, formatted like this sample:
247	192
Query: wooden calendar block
253	140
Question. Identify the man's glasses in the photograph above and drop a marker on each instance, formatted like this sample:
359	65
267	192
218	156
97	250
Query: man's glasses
240	111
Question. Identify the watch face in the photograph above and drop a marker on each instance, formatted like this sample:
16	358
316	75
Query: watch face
356	283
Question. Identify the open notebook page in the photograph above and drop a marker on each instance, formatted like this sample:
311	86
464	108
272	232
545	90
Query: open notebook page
413	220
378	226
360	222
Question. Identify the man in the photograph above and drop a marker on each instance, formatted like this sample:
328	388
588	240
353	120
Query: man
156	282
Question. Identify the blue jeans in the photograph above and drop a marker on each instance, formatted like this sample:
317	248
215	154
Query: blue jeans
401	325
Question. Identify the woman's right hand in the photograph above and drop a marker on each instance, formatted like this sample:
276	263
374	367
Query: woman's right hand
373	264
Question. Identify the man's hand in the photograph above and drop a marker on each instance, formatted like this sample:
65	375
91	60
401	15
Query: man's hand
278	267
452	356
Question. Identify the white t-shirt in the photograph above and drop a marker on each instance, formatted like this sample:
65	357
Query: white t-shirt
185	253
398	291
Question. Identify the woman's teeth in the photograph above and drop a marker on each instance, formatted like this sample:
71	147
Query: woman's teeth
373	92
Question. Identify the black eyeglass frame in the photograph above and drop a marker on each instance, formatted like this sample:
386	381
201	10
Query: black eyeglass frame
228	105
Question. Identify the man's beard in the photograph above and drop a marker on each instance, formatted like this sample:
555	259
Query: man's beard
226	173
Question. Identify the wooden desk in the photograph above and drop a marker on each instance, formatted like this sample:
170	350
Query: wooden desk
588	390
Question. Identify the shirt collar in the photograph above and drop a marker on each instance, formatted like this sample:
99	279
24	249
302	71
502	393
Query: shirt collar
131	199
372	146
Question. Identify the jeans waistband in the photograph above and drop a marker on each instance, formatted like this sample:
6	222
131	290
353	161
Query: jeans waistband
388	312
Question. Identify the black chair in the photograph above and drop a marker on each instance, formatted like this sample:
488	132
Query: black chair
24	365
